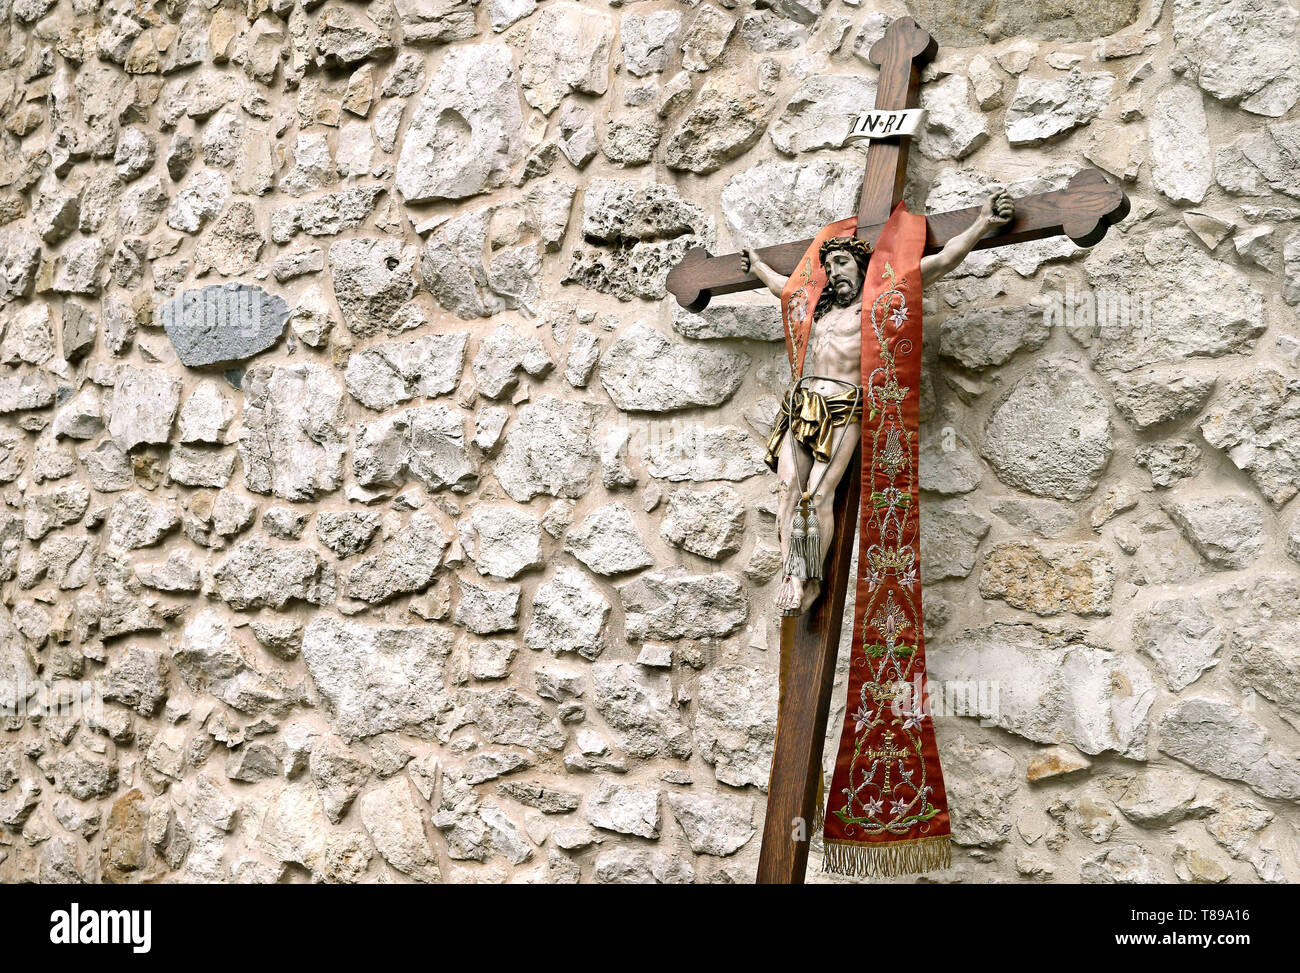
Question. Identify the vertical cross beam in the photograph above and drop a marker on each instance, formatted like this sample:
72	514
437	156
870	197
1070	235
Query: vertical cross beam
901	54
810	642
809	645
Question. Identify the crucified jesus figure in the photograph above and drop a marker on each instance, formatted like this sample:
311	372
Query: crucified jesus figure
832	372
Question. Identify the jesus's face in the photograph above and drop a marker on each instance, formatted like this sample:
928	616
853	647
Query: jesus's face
843	276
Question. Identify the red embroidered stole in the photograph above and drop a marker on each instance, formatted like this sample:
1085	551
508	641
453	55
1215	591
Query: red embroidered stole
887	813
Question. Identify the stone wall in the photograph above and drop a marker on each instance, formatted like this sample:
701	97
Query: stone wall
395	526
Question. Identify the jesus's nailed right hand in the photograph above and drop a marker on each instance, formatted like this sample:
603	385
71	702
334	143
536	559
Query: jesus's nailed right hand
746	261
999	209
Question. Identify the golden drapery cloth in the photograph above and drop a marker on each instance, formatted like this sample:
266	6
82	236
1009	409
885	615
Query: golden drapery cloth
812	417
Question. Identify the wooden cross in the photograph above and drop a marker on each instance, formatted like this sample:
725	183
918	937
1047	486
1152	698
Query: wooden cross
1083	211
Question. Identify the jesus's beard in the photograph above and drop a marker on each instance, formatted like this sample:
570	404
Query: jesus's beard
844	290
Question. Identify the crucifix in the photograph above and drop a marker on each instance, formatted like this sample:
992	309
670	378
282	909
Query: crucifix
810	633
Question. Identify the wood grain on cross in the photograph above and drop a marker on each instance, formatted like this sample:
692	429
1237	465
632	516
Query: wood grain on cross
1083	211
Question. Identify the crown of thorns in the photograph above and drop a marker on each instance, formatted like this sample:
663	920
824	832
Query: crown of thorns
860	249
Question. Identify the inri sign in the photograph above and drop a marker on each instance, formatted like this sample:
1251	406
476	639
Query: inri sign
876	124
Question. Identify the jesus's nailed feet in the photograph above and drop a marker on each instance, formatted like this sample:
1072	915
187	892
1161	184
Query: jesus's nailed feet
795	597
789	597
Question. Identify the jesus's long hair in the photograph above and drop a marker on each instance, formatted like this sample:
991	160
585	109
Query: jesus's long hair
861	252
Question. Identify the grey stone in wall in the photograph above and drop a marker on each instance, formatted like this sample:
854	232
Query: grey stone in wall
709	523
436	21
735	723
1225	530
816	115
1180	145
758	322
704	453
508	717
326	215
256	574
1198	307
405	565
390	373
674	606
1182	639
634	233
954	127
1151	396
705	38
776	202
1253	420
608	542
501	541
1046	108
984	336
640	707
648	40
728	116
1241	51
373	280
983	792
223	323
626	810
568	50
714	825
1217	737
485	609
396	826
951	532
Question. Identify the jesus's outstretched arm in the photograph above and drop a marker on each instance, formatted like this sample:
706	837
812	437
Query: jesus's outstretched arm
752	263
998	210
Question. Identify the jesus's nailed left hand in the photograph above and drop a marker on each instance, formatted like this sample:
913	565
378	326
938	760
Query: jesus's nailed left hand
998	210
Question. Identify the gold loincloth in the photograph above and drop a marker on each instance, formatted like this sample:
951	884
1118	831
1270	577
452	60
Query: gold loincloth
811	417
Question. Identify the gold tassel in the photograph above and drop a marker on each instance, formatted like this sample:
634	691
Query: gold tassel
812	544
796	565
888	859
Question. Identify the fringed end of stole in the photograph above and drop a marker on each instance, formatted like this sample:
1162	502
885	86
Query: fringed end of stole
887	859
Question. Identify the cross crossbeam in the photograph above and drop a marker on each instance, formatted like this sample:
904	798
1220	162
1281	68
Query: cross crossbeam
1083	211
